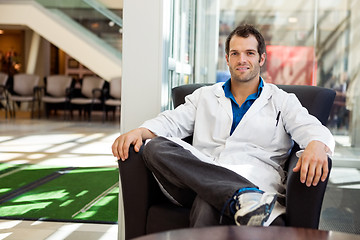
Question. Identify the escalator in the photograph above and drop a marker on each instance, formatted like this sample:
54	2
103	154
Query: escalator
85	29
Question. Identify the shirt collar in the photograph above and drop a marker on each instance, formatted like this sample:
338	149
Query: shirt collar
228	94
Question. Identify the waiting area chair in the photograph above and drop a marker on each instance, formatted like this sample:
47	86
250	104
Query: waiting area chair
55	94
147	210
4	100
112	97
88	96
24	89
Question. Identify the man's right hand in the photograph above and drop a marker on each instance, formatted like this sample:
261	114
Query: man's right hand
120	147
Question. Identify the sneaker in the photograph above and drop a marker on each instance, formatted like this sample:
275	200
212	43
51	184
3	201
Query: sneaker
253	206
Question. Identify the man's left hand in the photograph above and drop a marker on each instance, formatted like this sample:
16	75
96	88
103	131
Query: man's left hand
313	164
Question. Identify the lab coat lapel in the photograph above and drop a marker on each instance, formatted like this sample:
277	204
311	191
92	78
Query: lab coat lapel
224	102
257	105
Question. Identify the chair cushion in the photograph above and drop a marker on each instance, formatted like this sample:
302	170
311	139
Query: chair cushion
53	99
167	216
113	102
21	98
83	101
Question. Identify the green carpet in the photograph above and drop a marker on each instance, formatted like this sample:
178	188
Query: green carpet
81	194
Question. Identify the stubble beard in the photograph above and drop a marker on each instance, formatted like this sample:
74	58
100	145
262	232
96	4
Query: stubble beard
244	77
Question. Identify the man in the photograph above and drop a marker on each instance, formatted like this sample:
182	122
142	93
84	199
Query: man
243	133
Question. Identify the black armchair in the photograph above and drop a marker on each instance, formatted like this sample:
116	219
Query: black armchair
89	96
55	93
24	89
147	210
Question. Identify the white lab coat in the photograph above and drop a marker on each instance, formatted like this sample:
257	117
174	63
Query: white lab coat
260	144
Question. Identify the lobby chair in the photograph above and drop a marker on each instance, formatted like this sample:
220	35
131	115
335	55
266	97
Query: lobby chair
4	100
55	93
147	210
89	96
112	97
24	89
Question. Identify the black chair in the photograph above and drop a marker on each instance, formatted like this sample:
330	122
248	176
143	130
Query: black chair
112	98
55	94
147	210
89	96
24	89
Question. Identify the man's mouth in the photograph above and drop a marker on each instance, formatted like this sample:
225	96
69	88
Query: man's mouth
242	68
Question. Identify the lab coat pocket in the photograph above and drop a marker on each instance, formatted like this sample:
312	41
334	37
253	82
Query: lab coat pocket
261	127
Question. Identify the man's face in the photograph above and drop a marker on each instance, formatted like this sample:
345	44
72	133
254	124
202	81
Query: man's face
244	60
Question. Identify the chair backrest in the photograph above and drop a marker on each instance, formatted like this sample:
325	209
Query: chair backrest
24	84
115	88
317	100
3	79
89	84
56	85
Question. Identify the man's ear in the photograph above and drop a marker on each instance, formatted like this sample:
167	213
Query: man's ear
227	59
262	59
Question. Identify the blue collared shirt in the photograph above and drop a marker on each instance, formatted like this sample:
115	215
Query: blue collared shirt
239	111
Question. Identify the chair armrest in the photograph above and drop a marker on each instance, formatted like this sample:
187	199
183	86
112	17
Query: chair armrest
303	204
97	92
137	183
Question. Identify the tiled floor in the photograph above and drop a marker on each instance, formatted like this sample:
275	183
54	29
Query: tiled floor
29	230
82	143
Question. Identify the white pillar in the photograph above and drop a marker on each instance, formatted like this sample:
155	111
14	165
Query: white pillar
142	68
33	54
142	62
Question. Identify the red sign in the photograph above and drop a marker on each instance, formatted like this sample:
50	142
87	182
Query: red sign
290	65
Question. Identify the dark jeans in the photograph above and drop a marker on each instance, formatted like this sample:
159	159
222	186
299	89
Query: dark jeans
195	184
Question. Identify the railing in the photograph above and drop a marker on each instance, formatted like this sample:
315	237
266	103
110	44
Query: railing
94	16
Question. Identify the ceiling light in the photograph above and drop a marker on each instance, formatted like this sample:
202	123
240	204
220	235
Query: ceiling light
292	20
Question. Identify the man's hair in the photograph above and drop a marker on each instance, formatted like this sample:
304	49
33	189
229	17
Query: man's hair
245	31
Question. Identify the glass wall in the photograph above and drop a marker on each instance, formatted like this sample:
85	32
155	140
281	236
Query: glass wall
180	45
308	42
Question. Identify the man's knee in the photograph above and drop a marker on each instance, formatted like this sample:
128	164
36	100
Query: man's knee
151	148
159	148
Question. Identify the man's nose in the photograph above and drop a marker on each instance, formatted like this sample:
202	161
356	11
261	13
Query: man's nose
242	57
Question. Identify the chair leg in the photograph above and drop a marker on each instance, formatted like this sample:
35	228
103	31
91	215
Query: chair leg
90	110
32	109
65	109
39	109
13	110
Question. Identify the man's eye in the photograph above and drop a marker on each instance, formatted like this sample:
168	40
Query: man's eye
251	53
233	54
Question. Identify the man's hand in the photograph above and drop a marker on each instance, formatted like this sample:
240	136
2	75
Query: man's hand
120	147
313	164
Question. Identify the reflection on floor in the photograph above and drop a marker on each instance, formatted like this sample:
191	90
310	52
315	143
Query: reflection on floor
341	209
81	144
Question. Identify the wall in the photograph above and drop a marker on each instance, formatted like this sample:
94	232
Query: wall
142	62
